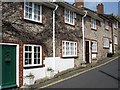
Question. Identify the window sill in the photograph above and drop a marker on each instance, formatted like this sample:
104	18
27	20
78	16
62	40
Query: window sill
105	47
32	67
94	52
70	24
33	21
69	56
106	29
94	29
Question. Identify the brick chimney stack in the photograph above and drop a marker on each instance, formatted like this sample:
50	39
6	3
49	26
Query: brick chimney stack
79	3
100	8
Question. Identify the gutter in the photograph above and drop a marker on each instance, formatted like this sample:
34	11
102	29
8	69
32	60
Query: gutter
83	31
56	7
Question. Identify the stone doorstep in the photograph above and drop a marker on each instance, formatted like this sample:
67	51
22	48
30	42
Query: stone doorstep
82	67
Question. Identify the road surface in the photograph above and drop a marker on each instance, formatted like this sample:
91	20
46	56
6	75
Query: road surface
105	76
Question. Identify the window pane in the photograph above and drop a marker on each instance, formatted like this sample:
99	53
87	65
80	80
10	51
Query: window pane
30	4
38	61
26	48
26	61
30	48
38	55
30	61
30	10
26	55
26	9
35	61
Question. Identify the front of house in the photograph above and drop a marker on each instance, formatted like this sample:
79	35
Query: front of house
27	40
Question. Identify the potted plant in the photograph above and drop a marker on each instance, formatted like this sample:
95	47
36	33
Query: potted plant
29	79
50	72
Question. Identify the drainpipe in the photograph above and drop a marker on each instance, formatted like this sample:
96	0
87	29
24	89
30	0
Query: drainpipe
56	6
83	31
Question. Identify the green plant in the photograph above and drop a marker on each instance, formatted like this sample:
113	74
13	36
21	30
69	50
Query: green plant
50	69
117	53
30	75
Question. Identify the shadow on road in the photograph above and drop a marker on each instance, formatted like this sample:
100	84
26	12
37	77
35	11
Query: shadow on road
109	75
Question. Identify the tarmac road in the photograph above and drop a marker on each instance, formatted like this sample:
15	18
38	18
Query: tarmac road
106	76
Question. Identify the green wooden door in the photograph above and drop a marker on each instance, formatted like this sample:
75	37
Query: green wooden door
8	66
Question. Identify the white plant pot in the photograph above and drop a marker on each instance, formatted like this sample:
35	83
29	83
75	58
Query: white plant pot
50	74
29	80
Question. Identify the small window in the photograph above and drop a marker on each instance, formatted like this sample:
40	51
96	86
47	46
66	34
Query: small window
69	17
106	25
115	40
33	11
32	55
105	42
94	46
69	49
93	23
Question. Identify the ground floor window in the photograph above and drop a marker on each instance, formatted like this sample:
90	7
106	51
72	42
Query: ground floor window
32	55
69	49
106	42
115	40
94	46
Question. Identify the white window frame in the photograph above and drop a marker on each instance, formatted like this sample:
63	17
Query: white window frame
32	55
94	43
33	12
106	25
93	23
69	49
69	17
115	40
115	25
106	42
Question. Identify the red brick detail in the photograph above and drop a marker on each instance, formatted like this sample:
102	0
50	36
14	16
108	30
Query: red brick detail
20	64
43	57
9	41
79	3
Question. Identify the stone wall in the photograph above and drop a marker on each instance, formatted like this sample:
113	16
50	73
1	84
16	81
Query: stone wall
97	35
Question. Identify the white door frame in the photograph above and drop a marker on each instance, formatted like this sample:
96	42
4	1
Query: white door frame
17	60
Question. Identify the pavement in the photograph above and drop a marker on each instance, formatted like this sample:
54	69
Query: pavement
66	74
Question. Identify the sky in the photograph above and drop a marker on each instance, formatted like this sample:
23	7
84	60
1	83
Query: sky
110	6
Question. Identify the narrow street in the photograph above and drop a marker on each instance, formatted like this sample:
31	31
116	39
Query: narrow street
105	76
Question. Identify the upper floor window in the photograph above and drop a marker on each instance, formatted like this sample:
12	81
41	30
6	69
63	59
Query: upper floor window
69	17
32	55
115	25
115	40
69	49
106	25
33	11
94	47
93	23
105	42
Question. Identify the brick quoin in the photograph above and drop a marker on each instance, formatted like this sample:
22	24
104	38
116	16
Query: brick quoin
20	64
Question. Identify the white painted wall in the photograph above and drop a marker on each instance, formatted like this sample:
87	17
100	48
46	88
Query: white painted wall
93	56
37	72
60	64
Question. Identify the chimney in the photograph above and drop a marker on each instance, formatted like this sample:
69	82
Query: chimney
100	8
79	3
